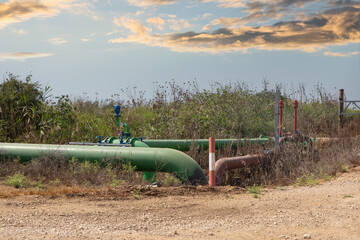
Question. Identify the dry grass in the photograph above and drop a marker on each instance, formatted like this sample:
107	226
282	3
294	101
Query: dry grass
7	191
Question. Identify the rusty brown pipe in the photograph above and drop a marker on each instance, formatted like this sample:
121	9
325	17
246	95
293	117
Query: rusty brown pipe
224	164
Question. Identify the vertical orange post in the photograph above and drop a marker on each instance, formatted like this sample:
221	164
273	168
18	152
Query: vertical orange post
211	162
295	115
281	105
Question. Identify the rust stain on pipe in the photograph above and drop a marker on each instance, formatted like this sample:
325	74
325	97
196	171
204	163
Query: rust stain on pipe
224	164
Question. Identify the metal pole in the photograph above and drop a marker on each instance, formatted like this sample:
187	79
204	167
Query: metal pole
281	105
341	108
295	115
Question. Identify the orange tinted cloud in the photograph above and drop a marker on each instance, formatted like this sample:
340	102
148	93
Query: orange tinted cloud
149	3
228	3
157	21
14	11
17	11
57	41
21	56
339	54
332	27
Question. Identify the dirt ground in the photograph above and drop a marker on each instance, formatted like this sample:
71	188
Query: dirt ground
329	210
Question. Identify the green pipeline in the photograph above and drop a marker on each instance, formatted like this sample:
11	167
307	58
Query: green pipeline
186	144
145	159
203	144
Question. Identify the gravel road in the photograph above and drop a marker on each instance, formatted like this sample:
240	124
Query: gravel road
330	210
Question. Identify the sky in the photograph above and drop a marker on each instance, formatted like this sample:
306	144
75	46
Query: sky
95	48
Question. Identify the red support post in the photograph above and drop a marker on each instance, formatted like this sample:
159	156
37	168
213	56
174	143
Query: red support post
295	115
211	162
281	105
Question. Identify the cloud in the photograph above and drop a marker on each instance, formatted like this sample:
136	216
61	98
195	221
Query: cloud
264	10
57	41
136	26
21	56
85	39
331	27
133	25
17	11
227	22
138	13
345	3
22	32
206	15
178	24
14	11
149	3
227	3
339	54
157	22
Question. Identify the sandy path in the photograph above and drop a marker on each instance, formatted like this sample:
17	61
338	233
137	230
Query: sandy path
330	210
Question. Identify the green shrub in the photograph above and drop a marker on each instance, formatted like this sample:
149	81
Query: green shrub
18	180
254	190
306	181
344	168
171	180
115	182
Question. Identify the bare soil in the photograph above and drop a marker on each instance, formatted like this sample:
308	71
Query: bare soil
329	210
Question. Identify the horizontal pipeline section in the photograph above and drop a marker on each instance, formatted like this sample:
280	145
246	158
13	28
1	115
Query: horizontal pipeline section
145	159
203	144
224	164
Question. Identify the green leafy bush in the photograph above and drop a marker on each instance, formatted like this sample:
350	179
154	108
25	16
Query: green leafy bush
171	180
17	180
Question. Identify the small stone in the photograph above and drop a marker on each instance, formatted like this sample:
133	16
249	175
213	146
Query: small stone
307	236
